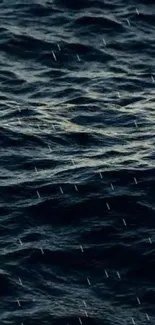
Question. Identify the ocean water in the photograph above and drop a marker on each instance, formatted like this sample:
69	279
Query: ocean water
77	162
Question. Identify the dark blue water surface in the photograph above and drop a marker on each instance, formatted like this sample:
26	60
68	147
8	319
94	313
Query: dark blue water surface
77	162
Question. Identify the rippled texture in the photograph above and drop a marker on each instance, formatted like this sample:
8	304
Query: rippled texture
77	162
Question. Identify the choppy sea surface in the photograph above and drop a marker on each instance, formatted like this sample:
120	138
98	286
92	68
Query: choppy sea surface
77	162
